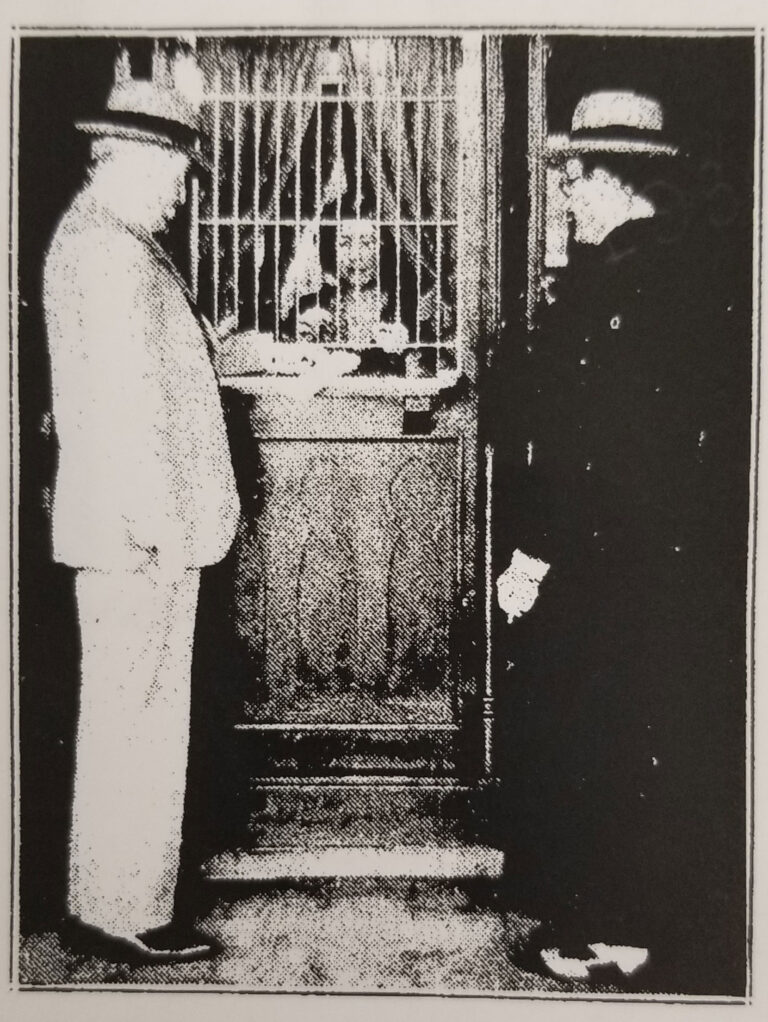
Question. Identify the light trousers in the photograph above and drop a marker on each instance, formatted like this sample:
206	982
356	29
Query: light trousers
136	632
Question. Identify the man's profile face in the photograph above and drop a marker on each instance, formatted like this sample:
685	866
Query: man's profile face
148	181
163	186
599	200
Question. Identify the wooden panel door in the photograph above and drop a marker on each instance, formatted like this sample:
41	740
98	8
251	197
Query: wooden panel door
349	612
355	591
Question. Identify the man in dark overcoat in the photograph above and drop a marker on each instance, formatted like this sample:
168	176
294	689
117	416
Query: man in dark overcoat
606	490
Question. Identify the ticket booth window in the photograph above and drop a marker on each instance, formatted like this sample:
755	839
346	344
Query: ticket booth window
333	212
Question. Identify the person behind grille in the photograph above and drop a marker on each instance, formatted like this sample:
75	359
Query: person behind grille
349	308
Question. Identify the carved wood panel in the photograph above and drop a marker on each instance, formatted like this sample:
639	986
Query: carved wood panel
349	616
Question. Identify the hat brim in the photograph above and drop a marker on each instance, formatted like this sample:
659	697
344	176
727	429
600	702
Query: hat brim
107	129
566	145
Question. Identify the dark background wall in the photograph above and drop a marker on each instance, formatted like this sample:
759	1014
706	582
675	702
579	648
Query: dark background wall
60	80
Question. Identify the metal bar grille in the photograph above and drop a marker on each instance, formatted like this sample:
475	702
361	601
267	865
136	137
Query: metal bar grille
213	96
383	148
291	222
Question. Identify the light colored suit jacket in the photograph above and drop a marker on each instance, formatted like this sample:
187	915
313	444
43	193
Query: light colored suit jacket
144	461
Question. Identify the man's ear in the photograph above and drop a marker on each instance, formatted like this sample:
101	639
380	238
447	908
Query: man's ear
573	168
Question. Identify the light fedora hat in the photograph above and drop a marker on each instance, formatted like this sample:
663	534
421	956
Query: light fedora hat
615	122
163	109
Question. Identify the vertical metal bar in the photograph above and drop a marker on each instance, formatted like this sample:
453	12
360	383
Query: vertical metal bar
461	459
439	212
461	338
494	119
318	178
337	171
471	200
488	694
419	157
194	238
398	192
297	201
215	183
537	138
278	190
358	200
256	190
236	194
379	157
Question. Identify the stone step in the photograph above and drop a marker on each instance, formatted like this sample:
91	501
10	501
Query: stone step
456	861
327	816
297	752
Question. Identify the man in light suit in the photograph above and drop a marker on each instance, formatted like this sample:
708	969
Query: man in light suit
144	496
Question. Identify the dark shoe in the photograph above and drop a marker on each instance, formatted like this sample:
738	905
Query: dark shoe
188	943
82	939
